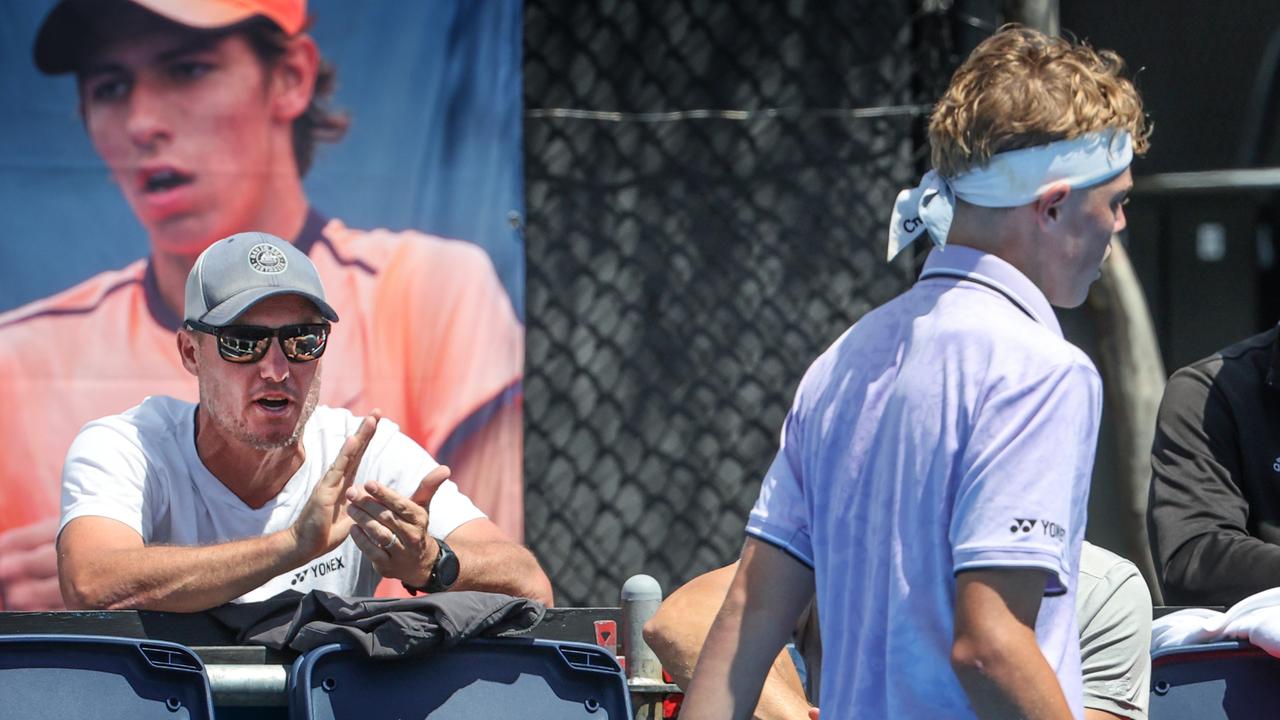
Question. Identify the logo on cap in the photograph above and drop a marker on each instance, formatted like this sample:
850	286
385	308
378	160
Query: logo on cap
267	259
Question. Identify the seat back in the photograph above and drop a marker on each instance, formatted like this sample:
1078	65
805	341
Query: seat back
1220	680
52	677
497	678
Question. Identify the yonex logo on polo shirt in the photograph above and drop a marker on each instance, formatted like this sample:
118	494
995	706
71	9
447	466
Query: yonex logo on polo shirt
1022	524
1051	529
267	259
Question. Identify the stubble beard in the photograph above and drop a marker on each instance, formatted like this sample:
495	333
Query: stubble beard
258	442
235	426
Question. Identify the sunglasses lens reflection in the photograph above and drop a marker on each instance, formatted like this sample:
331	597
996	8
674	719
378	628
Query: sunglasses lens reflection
305	346
243	344
247	344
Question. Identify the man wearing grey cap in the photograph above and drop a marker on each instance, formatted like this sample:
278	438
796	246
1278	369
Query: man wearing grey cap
257	489
207	114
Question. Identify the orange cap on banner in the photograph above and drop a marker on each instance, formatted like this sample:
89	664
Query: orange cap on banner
64	29
288	14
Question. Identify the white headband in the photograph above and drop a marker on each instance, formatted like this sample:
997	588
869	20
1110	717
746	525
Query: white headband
1009	179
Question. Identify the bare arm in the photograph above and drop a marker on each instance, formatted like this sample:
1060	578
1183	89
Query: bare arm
104	564
677	632
392	531
994	652
488	560
766	596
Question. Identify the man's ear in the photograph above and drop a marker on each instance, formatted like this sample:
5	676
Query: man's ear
293	78
1049	204
189	351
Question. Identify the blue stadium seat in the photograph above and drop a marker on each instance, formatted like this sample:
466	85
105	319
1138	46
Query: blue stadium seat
57	677
1220	680
500	678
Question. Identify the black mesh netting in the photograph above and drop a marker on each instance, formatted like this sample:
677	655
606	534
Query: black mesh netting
685	267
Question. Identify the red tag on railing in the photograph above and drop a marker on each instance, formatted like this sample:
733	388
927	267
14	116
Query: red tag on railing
607	635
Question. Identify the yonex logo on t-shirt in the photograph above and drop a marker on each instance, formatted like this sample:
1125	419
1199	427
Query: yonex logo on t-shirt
318	570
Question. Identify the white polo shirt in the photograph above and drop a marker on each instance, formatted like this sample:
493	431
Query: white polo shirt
952	428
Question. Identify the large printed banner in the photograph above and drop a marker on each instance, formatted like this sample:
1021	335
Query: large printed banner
138	141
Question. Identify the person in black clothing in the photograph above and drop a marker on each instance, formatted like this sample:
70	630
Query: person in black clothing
1214	512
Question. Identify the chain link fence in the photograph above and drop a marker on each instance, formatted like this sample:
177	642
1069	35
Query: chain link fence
707	189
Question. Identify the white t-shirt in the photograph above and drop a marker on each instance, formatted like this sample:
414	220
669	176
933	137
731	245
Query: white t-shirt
141	468
951	429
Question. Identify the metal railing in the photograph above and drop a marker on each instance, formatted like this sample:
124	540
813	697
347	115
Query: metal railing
245	677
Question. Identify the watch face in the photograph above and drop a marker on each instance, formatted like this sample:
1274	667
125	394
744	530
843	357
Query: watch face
445	572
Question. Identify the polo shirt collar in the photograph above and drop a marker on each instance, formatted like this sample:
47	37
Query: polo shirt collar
961	262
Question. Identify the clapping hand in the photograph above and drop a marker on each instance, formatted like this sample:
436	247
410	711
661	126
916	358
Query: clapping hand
391	529
324	523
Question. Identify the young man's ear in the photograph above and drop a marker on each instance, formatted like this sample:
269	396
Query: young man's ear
1049	204
293	78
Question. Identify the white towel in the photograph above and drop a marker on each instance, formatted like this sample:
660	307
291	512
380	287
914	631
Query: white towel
1255	619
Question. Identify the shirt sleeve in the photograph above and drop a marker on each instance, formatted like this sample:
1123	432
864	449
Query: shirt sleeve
1198	513
779	516
105	475
1115	643
1025	473
465	357
401	463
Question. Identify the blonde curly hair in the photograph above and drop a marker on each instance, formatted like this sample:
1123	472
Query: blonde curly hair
1021	88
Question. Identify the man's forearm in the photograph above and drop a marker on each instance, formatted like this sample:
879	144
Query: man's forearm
767	594
732	667
1009	678
500	566
678	631
176	578
994	651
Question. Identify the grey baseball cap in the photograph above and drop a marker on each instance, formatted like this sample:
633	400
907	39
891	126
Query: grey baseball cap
236	273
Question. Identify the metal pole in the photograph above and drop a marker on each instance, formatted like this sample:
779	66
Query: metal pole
249	685
641	596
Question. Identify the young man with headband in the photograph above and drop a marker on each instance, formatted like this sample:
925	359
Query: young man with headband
934	468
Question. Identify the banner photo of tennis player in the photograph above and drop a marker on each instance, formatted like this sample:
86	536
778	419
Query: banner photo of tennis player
382	139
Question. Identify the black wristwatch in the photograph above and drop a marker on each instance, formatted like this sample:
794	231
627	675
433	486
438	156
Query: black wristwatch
444	573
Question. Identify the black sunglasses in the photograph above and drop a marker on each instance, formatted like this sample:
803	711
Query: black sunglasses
249	343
